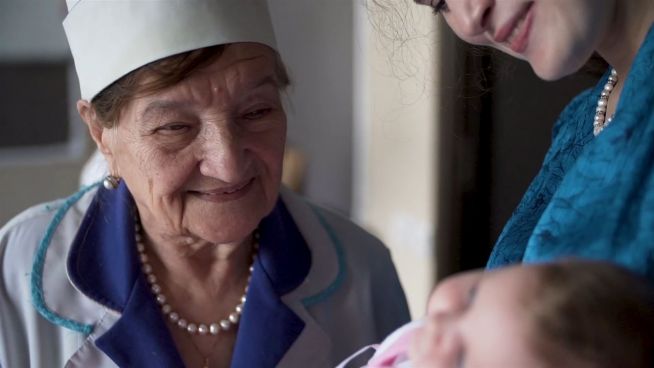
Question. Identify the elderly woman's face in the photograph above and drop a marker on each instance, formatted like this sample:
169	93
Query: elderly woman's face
203	159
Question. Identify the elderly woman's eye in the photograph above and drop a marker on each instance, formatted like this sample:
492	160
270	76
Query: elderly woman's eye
174	128
257	114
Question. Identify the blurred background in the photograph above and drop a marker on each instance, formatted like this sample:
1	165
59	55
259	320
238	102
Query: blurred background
420	139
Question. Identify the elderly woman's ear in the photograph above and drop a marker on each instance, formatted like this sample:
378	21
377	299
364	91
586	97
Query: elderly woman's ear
99	132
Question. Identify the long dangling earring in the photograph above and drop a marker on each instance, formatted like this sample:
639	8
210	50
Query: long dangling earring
110	182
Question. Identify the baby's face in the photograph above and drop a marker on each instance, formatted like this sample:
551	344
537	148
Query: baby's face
477	319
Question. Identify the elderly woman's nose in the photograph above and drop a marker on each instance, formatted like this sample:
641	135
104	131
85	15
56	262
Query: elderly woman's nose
473	16
223	156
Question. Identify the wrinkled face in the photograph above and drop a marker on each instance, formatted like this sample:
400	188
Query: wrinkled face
555	36
203	158
476	319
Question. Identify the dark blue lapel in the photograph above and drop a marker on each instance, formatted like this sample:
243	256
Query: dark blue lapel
268	327
103	265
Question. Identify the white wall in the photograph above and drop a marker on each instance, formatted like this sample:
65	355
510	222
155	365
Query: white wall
315	40
395	141
363	108
32	29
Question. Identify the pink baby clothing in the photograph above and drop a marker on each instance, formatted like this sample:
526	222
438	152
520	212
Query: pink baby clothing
392	352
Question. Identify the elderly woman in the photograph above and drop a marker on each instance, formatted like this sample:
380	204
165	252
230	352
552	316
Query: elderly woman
187	255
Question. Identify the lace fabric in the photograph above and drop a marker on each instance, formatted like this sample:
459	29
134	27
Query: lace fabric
593	197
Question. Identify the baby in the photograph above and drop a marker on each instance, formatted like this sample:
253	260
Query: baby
573	314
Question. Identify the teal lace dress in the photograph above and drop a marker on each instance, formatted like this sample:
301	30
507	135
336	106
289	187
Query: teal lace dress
594	196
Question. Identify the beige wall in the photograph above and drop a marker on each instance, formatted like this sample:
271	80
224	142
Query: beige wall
315	41
31	31
24	186
396	102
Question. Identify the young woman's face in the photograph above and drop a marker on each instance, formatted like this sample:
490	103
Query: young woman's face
555	36
477	319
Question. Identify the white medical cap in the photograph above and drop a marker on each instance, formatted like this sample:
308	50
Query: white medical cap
110	38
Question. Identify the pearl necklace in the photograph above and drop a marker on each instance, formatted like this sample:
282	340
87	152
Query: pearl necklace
601	121
192	328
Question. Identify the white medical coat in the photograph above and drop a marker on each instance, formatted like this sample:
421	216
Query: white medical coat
354	293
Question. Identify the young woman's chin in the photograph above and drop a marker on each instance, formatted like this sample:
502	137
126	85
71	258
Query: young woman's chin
555	65
547	73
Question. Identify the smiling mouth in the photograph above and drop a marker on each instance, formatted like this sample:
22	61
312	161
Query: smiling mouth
224	194
515	34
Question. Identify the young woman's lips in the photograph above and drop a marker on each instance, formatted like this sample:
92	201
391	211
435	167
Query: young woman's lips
224	194
520	41
515	33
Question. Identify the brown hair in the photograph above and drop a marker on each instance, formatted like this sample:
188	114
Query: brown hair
110	102
592	313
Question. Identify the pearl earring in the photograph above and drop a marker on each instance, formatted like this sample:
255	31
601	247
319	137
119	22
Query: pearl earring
110	182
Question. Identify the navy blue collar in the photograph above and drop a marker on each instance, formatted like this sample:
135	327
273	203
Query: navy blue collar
103	265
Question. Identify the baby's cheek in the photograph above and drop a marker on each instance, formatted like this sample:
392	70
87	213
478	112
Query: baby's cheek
422	348
415	350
